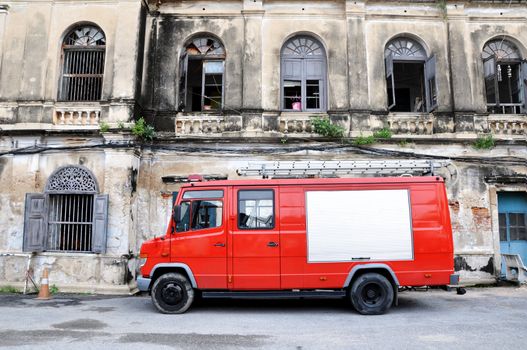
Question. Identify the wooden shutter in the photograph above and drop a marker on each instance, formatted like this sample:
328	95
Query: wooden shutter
292	69
100	223
491	80
390	84
431	84
183	68
523	74
35	223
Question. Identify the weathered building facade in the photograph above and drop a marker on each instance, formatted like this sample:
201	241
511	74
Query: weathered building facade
227	82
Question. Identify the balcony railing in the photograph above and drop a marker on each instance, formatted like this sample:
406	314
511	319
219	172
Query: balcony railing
508	124
416	124
77	115
505	108
295	124
207	125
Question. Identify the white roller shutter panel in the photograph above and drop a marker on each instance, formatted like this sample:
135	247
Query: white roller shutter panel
351	225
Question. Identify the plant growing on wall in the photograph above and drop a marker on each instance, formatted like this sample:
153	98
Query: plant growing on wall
384	133
143	130
323	126
104	127
484	142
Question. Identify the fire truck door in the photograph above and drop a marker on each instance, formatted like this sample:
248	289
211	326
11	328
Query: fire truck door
256	238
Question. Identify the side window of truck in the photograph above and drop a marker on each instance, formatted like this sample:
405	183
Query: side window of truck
206	214
201	210
256	209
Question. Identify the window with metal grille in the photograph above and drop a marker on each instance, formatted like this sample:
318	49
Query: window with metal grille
83	54
70	222
70	216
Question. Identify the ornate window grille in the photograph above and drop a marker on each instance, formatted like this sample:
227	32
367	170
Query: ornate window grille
83	56
303	75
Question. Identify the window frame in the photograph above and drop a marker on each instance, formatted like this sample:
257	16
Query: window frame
183	89
304	77
273	198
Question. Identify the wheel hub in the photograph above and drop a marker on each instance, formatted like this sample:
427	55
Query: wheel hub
172	293
372	294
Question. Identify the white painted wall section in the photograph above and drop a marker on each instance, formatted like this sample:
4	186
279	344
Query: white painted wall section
346	225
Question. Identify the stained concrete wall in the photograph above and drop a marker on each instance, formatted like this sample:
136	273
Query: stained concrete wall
32	34
113	170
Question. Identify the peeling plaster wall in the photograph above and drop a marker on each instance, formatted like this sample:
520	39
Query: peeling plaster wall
476	239
108	272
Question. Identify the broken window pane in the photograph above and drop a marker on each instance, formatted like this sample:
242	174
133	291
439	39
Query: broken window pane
204	79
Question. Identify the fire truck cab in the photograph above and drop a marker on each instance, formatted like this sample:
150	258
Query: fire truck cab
356	238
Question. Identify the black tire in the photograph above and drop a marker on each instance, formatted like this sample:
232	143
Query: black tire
371	294
172	293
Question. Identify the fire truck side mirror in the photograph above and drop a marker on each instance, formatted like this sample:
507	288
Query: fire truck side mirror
177	213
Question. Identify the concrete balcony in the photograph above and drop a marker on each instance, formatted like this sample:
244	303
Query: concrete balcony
74	114
207	125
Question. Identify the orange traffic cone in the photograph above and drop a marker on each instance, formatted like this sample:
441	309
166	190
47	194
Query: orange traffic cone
43	293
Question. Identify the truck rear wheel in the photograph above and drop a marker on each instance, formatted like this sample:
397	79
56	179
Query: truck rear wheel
371	294
172	293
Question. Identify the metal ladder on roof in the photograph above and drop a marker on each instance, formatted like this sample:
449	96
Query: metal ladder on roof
336	168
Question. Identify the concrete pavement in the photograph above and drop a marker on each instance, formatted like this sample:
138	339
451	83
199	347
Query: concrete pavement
484	318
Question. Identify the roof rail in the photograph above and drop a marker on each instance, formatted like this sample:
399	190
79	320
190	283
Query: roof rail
192	178
295	169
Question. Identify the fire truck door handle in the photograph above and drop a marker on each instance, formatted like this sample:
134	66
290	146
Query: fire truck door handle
219	244
272	244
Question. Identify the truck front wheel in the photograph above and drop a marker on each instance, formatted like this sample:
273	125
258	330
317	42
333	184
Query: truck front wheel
371	294
172	293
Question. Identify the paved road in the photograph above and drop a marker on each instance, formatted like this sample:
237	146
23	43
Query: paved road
484	318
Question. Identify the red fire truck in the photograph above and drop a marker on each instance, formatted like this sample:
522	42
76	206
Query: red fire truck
356	238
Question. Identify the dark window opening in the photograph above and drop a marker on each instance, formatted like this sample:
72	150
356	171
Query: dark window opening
256	209
201	76
409	88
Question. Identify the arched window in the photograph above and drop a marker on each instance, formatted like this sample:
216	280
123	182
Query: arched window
303	70
201	72
505	77
83	53
69	216
410	76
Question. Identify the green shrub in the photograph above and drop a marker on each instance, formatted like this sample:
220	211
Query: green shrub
484	142
142	130
323	126
8	289
120	125
53	289
383	134
104	127
364	140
